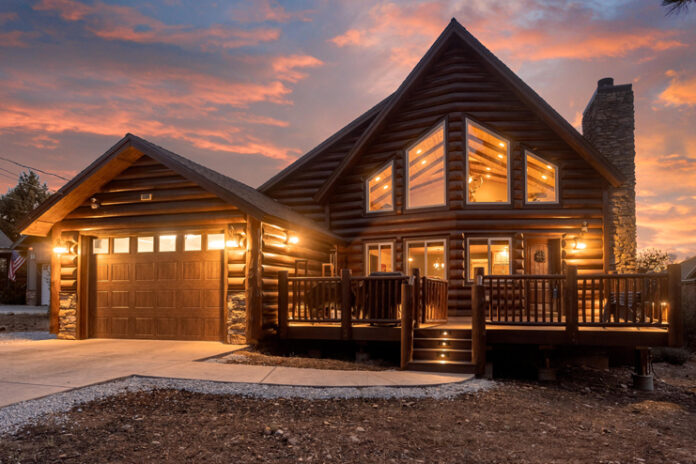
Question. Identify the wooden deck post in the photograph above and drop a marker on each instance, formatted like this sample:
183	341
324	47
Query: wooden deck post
346	306
675	316
407	308
254	281
283	304
571	303
478	324
418	301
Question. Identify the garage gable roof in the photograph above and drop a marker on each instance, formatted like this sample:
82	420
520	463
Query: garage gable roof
126	152
538	105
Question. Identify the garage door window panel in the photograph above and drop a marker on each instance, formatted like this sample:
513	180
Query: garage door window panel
167	243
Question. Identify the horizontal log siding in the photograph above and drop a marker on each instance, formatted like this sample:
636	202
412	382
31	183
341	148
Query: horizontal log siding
455	88
278	256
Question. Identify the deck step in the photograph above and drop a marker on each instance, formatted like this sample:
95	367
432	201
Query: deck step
439	332
437	354
459	367
442	343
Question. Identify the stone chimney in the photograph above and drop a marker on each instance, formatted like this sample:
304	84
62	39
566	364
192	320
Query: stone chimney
609	124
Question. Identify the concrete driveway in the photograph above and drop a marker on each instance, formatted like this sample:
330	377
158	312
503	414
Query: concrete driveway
33	369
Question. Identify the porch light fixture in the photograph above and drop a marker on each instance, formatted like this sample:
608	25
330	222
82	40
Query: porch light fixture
94	203
61	248
578	244
291	238
234	242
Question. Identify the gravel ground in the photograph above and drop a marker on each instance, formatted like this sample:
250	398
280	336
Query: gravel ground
15	416
13	337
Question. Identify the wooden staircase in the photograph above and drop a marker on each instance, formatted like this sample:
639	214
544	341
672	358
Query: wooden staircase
442	350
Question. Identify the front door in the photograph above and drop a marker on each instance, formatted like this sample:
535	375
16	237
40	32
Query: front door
542	257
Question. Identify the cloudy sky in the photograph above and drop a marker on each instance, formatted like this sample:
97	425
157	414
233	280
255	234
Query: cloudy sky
247	87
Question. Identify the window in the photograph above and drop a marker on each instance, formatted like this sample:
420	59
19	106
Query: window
379	258
100	246
428	256
425	164
167	243
380	190
122	245
487	166
146	244
192	242
216	241
541	179
490	254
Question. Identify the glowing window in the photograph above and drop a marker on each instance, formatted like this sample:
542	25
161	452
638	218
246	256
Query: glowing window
100	246
380	190
487	166
379	258
428	256
167	243
146	244
425	163
122	245
490	254
542	180
216	241
193	242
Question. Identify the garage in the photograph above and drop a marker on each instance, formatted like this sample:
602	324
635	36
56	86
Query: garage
157	286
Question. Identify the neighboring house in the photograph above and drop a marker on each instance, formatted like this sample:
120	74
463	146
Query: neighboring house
689	295
37	268
463	169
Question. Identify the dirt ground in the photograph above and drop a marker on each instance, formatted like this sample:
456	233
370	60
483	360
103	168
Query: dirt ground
23	322
254	357
589	416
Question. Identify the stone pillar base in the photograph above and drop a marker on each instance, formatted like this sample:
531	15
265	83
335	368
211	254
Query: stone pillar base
236	318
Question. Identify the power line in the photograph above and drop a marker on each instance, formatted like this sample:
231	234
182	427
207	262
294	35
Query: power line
33	169
9	172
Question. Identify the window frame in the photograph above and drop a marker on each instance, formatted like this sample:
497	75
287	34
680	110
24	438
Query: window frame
367	189
426	241
490	261
557	185
379	244
407	206
468	121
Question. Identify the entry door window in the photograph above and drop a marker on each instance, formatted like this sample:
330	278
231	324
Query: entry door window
429	257
379	258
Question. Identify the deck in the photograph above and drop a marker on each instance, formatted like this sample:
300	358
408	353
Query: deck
607	310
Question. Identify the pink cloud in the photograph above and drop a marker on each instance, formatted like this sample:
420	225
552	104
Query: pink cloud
114	22
286	67
268	10
680	91
7	17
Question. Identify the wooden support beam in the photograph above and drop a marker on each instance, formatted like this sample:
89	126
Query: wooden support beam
55	282
407	317
676	315
254	281
346	306
478	324
571	301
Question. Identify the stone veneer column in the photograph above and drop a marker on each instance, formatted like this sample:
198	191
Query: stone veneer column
236	318
609	123
67	316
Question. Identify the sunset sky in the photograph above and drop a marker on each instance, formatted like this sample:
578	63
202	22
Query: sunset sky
247	87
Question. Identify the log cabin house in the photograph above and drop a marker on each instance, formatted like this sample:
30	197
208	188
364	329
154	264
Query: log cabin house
459	212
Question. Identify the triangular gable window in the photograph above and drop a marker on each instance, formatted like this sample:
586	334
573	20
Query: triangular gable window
380	190
425	170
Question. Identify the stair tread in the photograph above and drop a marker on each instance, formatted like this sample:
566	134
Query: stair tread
454	350
448	339
440	362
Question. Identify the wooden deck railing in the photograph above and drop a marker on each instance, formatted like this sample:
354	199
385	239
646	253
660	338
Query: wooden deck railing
525	299
349	300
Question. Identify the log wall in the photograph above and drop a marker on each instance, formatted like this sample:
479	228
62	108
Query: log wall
456	87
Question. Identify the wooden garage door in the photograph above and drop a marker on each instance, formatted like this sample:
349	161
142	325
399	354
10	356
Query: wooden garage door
160	286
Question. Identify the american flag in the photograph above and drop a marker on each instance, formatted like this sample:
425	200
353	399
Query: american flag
15	263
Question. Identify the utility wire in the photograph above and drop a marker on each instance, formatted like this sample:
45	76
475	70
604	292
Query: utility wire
9	172
33	169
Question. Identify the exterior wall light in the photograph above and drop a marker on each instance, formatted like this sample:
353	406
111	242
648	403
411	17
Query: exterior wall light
292	239
235	241
61	248
579	245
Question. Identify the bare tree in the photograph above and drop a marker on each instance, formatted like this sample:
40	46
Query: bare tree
677	6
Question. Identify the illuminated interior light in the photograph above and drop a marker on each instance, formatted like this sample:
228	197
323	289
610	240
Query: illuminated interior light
488	176
423	162
544	177
548	166
488	169
471	179
502	144
410	260
500	156
385	187
378	178
418	151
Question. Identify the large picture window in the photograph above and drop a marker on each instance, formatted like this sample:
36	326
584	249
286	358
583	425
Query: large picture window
487	166
425	166
428	256
490	254
541	180
380	190
379	257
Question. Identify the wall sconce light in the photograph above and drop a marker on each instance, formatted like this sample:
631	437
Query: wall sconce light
94	203
61	248
291	238
578	244
235	238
